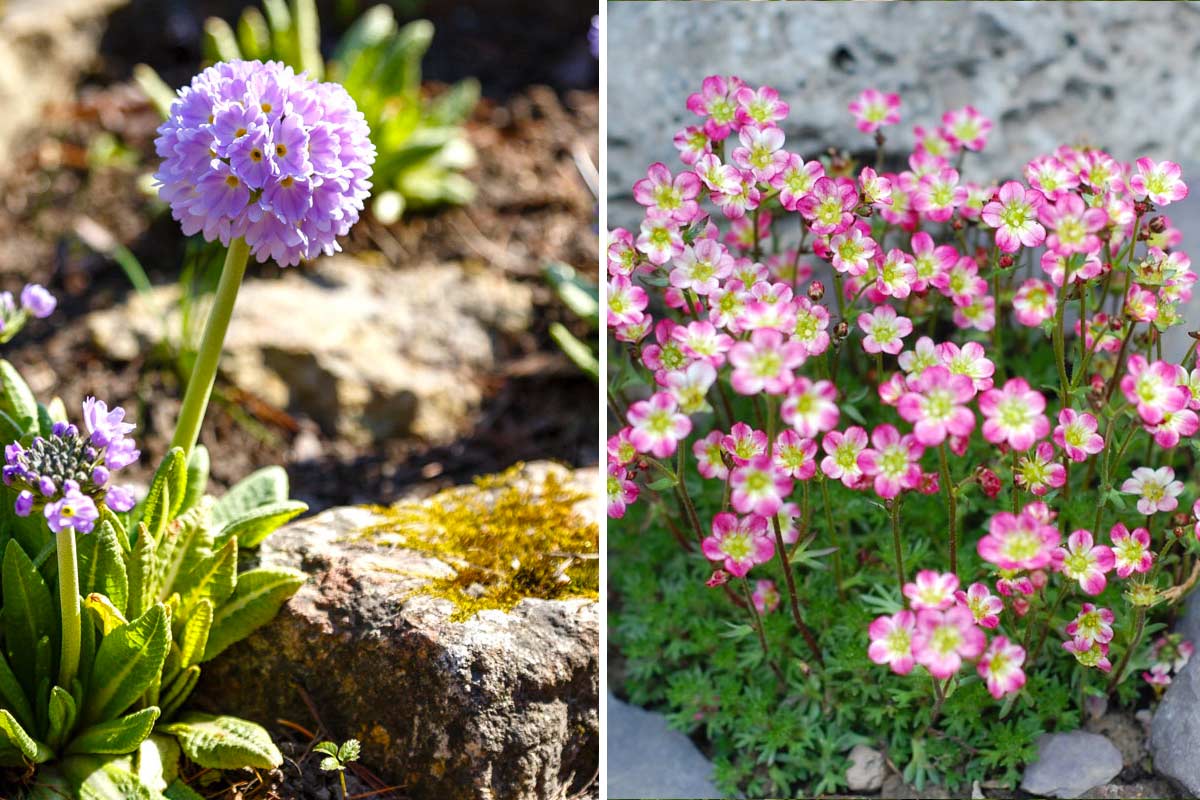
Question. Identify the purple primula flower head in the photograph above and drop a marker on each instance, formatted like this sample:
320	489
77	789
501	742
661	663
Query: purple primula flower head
104	426
38	301
74	510
67	474
255	151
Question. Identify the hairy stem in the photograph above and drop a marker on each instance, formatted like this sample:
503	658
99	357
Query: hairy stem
68	598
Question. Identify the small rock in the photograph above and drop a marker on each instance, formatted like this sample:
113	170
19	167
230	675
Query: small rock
1175	730
647	759
500	706
367	352
1149	789
1125	732
866	770
1069	764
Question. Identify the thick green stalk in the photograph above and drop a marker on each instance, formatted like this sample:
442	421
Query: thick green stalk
204	372
68	600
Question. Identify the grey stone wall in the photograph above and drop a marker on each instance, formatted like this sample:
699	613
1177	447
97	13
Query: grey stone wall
1122	75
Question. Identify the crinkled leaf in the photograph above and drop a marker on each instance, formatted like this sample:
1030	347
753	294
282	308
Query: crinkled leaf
29	614
193	638
157	761
212	578
180	689
224	742
127	664
168	489
106	778
257	524
106	615
178	790
331	764
12	732
266	486
349	751
116	736
13	697
142	574
16	398
259	595
197	477
62	711
102	565
186	541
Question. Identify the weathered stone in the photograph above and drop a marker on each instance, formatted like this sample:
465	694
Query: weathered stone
1069	764
647	759
502	706
367	352
866	770
1175	730
1127	734
1047	73
44	46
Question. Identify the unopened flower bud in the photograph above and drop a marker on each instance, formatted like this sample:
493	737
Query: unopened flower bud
1157	225
1141	208
989	481
719	578
841	330
1006	261
1038	577
816	290
957	224
1020	606
1116	324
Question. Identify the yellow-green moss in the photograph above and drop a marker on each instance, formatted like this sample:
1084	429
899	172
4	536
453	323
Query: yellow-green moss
507	538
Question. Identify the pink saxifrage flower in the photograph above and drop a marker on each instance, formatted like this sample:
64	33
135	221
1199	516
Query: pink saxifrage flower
758	488
1155	389
944	638
1073	224
622	492
1161	182
1014	216
936	406
1040	471
966	127
1000	667
1157	489
1019	541
675	196
892	641
1076	434
765	363
795	456
885	330
874	109
842	450
1085	561
984	606
931	590
657	426
1014	415
765	596
710	460
810	407
894	461
740	543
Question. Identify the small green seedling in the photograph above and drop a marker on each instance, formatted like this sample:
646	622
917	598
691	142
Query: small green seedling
336	758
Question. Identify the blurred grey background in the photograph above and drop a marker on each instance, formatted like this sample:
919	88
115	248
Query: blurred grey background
1119	75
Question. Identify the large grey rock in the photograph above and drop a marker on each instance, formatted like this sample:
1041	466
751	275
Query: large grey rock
44	46
647	759
1069	764
501	706
367	352
1047	73
1175	730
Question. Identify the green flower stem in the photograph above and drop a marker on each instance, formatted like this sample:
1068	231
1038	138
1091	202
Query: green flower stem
951	504
204	372
68	598
833	536
1139	626
1059	336
896	543
1046	623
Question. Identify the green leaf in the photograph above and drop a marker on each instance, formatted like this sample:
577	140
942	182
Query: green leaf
576	293
13	697
29	614
349	751
184	544
25	744
259	595
157	761
308	38
197	473
224	742
62	712
212	577
179	690
252	527
106	615
253	35
143	573
178	790
16	398
376	25
331	764
220	43
168	489
665	482
127	664
102	565
328	748
162	96
193	639
264	487
116	736
106	778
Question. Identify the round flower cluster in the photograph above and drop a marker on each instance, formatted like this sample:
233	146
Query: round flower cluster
65	475
715	300
255	151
